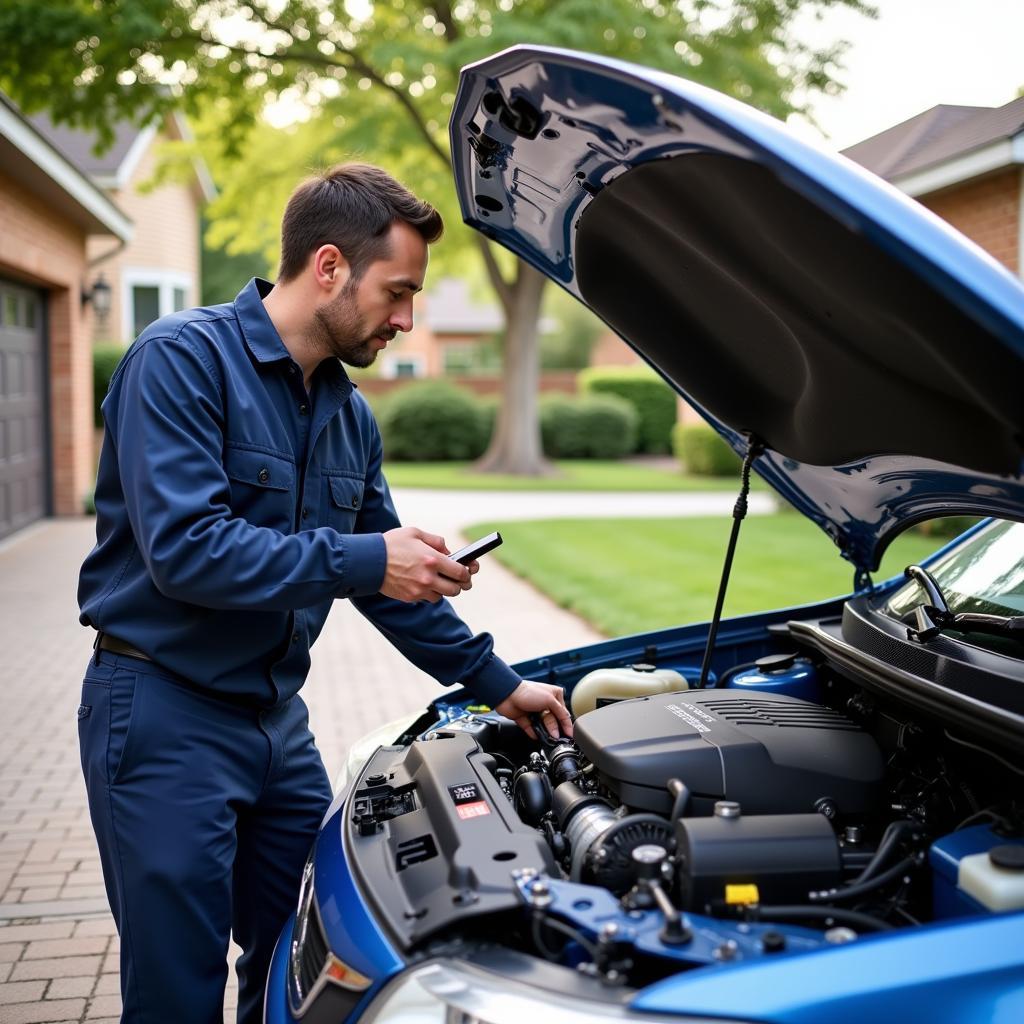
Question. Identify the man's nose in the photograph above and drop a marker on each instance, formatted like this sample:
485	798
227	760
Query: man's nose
401	319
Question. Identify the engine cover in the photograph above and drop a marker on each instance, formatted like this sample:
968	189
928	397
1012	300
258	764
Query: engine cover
771	753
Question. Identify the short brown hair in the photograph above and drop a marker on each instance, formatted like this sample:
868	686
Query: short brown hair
351	206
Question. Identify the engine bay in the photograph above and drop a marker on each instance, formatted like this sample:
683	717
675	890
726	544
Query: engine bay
685	828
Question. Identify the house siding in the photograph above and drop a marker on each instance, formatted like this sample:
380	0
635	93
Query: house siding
166	239
39	247
987	211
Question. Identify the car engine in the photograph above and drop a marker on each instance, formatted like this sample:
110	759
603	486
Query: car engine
674	829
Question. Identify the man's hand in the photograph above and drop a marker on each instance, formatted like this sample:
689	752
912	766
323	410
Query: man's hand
529	698
418	568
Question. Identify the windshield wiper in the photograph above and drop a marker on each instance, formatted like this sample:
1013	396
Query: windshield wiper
935	618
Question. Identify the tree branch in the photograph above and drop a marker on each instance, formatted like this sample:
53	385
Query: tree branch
500	285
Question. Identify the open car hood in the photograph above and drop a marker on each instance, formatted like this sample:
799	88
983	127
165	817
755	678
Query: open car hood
784	292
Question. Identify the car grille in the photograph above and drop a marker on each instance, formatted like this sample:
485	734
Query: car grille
313	955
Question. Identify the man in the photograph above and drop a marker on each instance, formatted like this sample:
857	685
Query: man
239	493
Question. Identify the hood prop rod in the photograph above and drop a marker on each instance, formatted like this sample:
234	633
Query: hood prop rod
755	447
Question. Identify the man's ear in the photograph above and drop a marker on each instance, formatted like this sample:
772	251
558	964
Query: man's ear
330	268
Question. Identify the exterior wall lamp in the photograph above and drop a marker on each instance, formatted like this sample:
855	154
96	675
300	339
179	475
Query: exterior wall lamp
99	296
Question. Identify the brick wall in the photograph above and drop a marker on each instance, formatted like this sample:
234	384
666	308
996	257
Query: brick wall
987	211
39	247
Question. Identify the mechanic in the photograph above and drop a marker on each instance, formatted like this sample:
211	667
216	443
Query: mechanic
239	494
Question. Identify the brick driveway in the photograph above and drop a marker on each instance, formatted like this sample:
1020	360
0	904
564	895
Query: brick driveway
58	946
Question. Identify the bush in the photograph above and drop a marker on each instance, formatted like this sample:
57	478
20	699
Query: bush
653	400
703	452
487	410
587	427
105	357
431	421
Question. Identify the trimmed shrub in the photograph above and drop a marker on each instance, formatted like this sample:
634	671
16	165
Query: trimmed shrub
587	427
487	410
430	421
653	400
703	452
105	357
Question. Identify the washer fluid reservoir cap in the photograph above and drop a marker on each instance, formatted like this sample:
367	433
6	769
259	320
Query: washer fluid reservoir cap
727	809
1010	858
643	666
775	662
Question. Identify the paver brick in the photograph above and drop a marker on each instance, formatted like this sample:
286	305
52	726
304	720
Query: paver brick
58	1011
104	1006
31	932
66	988
107	984
10	951
45	948
96	926
21	991
64	967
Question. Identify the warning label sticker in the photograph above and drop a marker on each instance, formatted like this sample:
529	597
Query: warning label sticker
474	810
688	715
469	801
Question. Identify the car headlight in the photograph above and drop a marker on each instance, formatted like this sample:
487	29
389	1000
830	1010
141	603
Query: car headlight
360	751
449	993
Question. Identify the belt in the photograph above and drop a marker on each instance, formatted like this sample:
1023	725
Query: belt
106	642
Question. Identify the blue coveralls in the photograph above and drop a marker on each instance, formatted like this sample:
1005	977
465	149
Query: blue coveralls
232	509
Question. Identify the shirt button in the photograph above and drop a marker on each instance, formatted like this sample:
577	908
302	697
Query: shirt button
355	503
295	638
305	513
293	369
263	475
304	409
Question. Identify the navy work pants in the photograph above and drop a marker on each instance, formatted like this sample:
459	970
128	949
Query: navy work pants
204	811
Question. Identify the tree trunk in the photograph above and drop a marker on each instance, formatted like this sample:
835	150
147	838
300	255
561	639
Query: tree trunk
515	445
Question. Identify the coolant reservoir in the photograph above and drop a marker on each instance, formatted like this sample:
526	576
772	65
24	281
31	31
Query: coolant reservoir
622	683
996	878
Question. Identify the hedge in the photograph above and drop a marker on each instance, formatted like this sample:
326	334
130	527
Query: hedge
587	427
653	400
432	421
703	452
105	357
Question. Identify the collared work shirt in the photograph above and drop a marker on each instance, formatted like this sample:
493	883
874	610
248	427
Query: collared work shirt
233	508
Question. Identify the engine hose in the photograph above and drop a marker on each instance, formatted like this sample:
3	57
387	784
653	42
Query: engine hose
858	889
541	920
864	922
890	838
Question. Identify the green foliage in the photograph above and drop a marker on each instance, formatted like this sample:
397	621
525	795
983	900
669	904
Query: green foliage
702	451
587	427
431	420
576	329
224	273
367	80
653	399
105	357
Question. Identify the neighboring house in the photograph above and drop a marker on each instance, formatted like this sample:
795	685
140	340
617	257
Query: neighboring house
964	163
450	335
48	211
157	272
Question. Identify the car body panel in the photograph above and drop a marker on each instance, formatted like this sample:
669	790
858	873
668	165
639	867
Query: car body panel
947	974
532	194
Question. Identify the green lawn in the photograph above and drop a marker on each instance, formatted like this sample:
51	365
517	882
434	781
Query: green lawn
633	575
573	475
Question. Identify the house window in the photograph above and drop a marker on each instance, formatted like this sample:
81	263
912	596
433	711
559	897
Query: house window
145	306
149	295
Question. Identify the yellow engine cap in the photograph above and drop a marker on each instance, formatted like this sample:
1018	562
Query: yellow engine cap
742	894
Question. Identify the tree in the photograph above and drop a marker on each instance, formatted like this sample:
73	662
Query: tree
379	79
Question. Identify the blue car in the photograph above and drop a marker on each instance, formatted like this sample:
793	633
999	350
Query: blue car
809	814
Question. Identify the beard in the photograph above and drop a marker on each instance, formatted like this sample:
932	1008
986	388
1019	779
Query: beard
340	330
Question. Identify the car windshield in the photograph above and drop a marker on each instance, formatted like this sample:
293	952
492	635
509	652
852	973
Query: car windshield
985	574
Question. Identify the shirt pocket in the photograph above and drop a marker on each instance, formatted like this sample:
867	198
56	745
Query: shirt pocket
344	501
262	487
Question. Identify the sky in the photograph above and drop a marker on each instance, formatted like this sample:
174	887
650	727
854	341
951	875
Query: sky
916	54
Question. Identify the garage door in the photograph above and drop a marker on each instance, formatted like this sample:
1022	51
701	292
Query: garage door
23	462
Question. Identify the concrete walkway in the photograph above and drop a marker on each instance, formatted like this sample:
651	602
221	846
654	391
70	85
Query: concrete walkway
58	947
